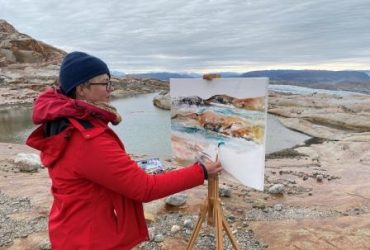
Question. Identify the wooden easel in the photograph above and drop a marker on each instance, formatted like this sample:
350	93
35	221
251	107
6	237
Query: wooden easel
213	207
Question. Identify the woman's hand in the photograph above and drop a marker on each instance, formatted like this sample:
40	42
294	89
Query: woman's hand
212	167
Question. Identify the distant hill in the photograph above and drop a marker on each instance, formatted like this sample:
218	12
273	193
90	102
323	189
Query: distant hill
117	73
229	74
310	76
167	75
323	79
365	71
164	75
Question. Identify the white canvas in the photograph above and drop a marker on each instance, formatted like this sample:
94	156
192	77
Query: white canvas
231	111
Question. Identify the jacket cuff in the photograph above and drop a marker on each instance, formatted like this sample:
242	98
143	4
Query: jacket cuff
205	172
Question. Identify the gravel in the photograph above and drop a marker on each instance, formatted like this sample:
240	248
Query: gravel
277	212
11	229
206	238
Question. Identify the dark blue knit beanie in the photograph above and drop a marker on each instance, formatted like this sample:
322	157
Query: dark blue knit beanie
78	67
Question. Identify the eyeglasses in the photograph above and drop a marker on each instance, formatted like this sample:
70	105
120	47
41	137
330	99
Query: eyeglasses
108	85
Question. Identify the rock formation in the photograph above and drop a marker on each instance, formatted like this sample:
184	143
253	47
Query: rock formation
325	116
163	100
16	48
255	103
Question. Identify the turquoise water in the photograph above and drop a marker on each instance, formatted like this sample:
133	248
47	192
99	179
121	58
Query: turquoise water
145	129
225	110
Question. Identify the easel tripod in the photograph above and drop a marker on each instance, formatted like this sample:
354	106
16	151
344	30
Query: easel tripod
213	207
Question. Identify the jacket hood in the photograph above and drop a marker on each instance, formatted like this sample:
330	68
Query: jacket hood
52	104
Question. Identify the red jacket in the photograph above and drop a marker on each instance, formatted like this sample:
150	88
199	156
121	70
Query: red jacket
98	189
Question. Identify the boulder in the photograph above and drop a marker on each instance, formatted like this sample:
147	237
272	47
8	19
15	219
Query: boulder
276	189
176	200
163	100
27	162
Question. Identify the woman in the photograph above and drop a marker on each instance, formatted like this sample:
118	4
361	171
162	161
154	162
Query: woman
98	189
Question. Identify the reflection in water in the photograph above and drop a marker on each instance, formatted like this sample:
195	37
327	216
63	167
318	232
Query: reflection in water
15	124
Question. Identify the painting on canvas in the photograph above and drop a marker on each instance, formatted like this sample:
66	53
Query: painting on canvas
231	112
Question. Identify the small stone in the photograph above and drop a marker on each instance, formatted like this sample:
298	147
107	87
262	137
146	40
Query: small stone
24	235
305	177
224	191
176	200
175	228
319	178
151	233
292	182
10	146
278	207
188	224
259	204
231	218
158	238
45	245
310	194
276	189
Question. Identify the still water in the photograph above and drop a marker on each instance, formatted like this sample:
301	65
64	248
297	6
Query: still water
145	129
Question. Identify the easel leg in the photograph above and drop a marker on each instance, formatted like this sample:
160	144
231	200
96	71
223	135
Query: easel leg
229	233
218	228
211	199
202	216
213	207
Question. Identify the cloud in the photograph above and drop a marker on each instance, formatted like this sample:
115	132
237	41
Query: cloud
198	35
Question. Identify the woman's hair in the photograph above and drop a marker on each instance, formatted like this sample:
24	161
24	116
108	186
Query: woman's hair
72	92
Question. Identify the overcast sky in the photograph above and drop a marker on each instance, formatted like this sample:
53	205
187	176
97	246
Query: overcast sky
202	35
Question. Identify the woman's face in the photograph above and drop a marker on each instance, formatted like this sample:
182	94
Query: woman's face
98	90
